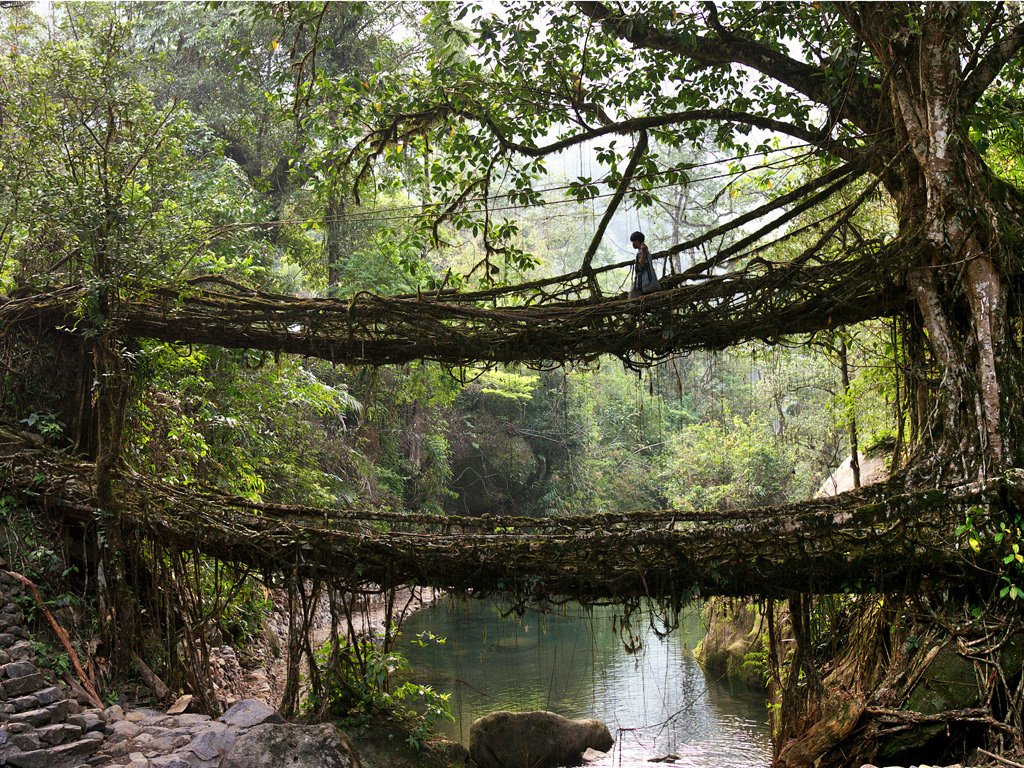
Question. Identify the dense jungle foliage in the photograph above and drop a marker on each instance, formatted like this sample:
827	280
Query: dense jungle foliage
335	149
190	116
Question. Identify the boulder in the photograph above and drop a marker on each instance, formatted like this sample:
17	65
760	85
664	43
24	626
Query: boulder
534	739
214	740
948	682
122	730
873	469
250	712
290	746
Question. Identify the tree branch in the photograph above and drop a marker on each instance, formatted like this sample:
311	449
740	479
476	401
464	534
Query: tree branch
988	68
846	172
997	16
859	105
613	205
61	634
739	248
673	118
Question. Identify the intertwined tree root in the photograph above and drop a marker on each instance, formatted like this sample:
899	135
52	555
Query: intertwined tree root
876	539
762	301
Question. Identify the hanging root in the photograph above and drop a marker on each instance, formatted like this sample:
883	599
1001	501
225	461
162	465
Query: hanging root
905	681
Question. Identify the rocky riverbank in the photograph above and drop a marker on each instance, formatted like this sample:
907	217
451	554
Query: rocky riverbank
260	672
250	734
47	723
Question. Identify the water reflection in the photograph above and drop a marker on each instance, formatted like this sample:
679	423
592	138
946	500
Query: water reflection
572	661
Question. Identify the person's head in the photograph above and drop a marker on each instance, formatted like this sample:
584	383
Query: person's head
637	239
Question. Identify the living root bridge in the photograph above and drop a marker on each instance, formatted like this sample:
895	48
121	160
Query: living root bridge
877	539
762	302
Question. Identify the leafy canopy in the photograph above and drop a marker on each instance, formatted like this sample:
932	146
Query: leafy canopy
487	112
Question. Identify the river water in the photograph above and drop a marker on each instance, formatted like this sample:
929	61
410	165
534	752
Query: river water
656	701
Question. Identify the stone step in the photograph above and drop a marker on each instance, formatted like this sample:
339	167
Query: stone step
19	686
24	703
59	733
49	695
68	754
36	717
27	741
21	651
18	669
54	713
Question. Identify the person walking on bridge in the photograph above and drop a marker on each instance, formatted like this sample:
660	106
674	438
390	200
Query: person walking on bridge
644	279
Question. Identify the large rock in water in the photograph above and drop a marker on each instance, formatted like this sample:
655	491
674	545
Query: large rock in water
534	739
290	746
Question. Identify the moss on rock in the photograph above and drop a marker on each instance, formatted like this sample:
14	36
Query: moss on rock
736	643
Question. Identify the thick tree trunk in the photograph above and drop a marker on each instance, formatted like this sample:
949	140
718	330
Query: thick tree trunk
950	204
964	356
970	429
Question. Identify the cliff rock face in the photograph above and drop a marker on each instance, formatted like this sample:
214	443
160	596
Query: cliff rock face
736	643
534	739
873	469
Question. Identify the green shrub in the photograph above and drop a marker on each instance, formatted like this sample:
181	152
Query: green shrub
358	687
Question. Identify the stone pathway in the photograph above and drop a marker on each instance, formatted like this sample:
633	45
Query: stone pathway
145	738
42	725
243	737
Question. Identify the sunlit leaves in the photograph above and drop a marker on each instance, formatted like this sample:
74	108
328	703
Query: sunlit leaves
984	535
533	74
101	170
726	465
509	385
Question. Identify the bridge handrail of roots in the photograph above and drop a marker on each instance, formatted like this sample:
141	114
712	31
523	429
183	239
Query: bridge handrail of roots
762	301
877	538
